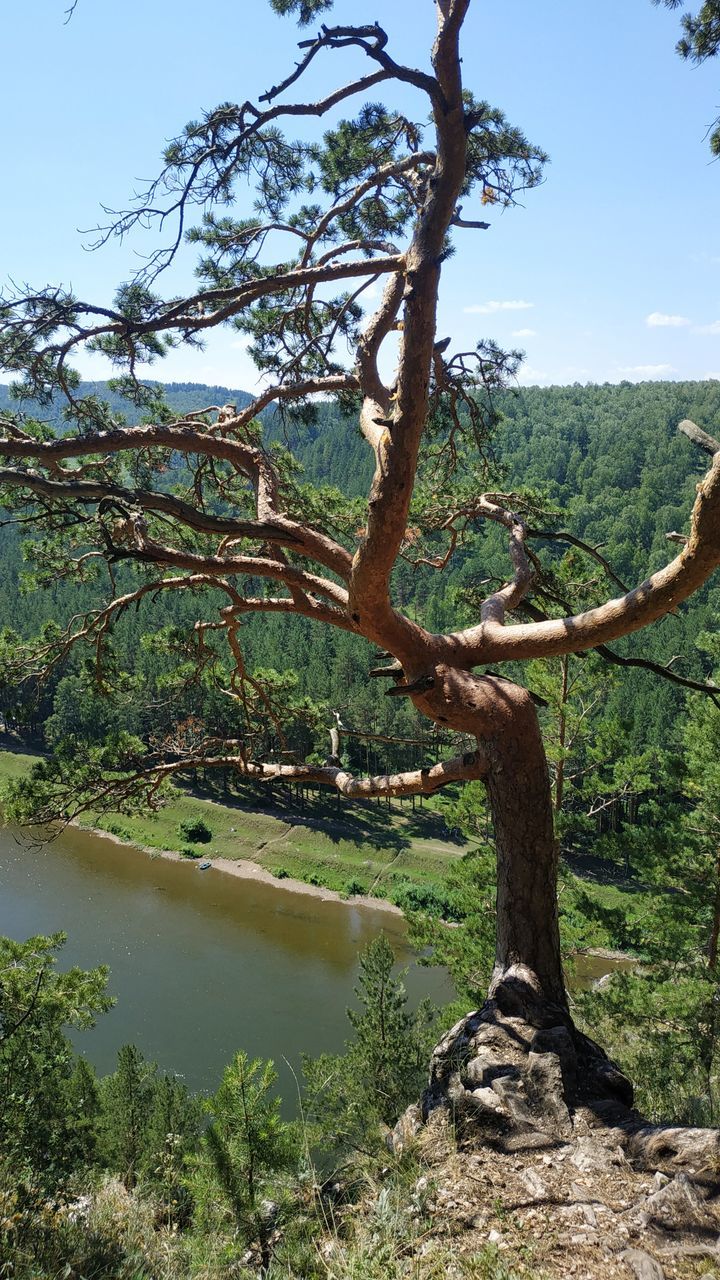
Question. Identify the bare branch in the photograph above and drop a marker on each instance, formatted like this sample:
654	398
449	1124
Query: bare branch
425	781
699	437
561	535
658	595
216	155
372	40
660	669
219	565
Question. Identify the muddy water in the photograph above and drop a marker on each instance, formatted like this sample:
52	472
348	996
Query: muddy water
204	963
201	963
588	969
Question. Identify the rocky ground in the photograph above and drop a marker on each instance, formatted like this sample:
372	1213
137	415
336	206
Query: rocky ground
576	1208
531	1147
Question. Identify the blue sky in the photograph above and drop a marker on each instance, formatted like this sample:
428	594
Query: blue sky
609	270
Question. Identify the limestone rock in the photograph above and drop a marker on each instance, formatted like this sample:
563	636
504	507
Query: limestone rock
407	1128
591	1156
676	1207
545	1087
642	1265
557	1040
535	1185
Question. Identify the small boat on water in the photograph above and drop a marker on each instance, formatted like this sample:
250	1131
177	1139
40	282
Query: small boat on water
203	866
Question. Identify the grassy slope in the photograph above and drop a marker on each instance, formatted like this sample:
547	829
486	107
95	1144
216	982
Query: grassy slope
348	847
332	842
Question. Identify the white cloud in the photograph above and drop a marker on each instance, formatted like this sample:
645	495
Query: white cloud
530	377
491	308
523	333
659	320
708	328
647	370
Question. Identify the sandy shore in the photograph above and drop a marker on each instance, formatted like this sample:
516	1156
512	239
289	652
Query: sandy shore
246	869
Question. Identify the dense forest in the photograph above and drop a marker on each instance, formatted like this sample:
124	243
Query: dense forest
608	458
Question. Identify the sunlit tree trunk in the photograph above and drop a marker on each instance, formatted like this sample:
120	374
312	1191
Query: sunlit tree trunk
502	718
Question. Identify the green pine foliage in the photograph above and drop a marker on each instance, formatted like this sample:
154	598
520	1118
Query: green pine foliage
248	1154
352	1097
46	1096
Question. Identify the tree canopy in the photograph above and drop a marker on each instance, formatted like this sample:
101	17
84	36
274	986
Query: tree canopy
700	40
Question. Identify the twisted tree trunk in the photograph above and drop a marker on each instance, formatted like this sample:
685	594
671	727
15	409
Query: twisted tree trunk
517	1070
502	718
527	957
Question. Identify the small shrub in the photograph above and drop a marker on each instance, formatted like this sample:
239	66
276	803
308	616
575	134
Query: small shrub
281	873
354	887
424	897
117	829
195	830
187	851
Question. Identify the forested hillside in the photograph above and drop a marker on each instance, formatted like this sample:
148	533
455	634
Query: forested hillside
609	458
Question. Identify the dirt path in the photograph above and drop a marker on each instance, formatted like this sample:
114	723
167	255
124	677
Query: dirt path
265	844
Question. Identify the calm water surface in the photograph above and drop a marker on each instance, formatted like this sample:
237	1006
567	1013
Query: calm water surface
202	963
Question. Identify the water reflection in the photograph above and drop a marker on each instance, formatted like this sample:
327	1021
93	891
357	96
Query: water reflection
201	963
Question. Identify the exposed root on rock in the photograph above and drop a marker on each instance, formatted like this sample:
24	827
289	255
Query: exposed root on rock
541	1110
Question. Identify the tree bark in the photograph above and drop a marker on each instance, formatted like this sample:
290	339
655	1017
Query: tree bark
502	718
527	957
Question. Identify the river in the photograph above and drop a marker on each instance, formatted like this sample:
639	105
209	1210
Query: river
201	963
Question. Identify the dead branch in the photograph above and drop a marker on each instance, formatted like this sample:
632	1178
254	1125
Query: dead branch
699	437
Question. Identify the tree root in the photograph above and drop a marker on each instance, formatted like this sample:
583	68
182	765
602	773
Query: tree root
517	1075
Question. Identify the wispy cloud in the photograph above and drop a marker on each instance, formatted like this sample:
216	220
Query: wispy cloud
523	333
660	320
647	370
708	328
491	308
529	376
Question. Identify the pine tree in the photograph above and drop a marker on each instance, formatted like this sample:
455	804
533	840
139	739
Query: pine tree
127	1102
203	504
352	1097
248	1151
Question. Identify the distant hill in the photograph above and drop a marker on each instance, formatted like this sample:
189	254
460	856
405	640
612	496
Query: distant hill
186	397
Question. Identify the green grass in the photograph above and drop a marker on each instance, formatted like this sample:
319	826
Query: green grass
326	842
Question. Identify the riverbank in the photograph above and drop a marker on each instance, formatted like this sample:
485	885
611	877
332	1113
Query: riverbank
364	854
337	851
245	869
